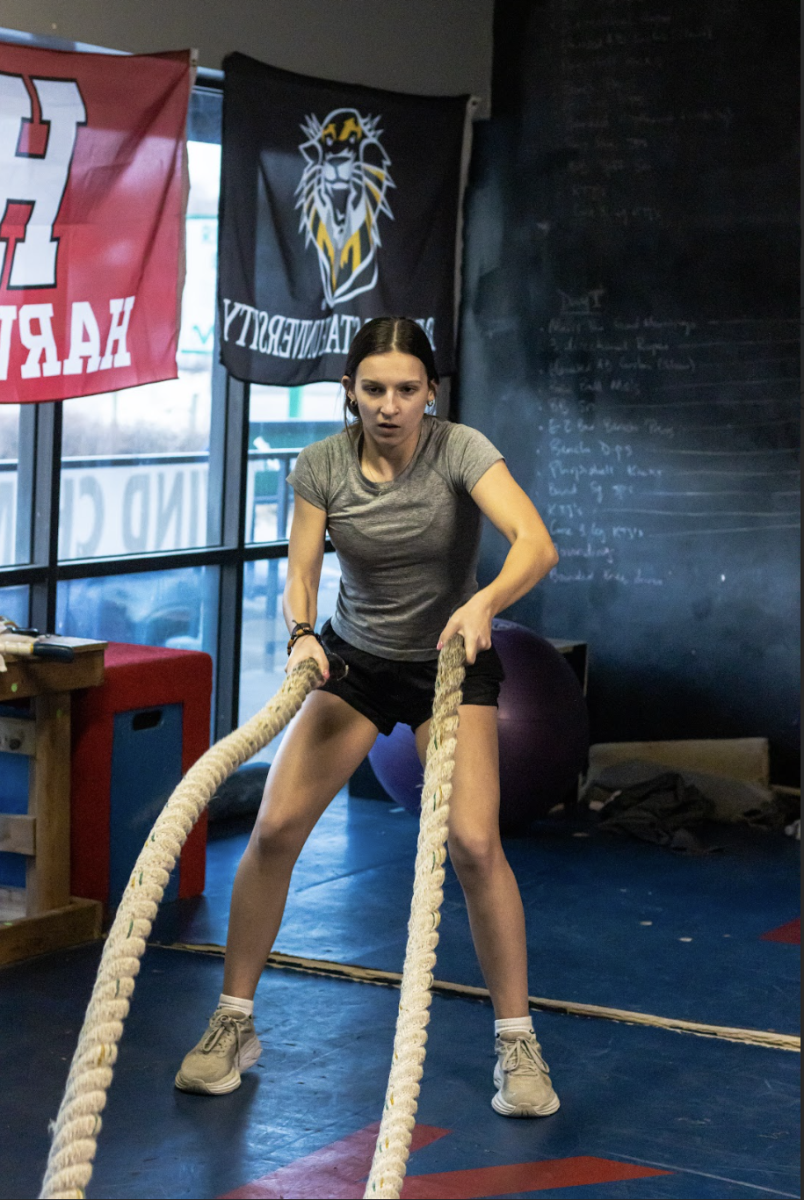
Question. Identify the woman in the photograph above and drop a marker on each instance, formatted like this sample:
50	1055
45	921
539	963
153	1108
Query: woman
400	494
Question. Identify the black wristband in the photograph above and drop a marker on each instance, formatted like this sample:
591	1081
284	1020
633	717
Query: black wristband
301	629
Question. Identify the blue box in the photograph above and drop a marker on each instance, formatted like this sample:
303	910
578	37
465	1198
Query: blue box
146	767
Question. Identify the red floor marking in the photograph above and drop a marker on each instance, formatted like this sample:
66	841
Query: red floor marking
332	1173
791	932
339	1171
522	1177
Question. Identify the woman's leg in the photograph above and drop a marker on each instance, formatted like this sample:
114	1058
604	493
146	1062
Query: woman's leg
323	746
493	902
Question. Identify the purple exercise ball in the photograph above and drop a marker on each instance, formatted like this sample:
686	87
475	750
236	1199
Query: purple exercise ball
543	729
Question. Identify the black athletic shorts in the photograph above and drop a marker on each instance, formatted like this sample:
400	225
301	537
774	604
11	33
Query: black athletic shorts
389	690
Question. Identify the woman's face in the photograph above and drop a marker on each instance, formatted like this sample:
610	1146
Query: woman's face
392	392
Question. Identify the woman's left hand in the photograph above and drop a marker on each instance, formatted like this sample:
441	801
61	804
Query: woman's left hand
473	621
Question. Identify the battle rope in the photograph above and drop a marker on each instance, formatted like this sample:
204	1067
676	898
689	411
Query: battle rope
78	1123
398	1118
76	1128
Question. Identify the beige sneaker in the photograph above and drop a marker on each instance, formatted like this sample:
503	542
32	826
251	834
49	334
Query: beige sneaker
522	1077
229	1046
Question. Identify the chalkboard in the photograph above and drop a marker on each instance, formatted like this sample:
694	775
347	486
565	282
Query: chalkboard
630	342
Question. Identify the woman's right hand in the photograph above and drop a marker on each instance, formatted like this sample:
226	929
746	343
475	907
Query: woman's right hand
309	647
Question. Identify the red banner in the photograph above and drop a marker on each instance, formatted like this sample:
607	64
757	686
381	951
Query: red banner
93	189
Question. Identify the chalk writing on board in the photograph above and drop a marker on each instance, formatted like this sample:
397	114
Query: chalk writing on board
617	455
619	124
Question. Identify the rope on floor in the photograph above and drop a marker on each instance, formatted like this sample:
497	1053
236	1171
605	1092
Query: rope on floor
356	974
407	1064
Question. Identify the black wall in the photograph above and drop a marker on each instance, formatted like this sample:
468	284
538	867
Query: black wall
629	341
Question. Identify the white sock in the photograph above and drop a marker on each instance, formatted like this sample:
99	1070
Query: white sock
246	1007
521	1025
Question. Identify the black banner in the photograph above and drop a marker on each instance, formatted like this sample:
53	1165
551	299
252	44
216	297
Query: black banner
338	203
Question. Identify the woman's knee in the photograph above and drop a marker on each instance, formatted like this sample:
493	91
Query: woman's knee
279	835
475	854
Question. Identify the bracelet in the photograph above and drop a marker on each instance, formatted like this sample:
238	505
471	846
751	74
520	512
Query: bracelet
301	629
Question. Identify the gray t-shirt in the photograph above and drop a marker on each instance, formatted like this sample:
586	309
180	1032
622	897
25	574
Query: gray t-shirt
407	549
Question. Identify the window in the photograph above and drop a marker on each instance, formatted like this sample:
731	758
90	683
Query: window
14	604
175	608
281	422
9	456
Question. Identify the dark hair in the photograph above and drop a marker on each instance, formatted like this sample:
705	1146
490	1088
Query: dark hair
380	336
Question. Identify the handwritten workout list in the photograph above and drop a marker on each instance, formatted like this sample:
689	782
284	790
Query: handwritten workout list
654	427
637	416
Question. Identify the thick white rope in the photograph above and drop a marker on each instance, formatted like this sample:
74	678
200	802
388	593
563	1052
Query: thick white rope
78	1123
76	1128
398	1118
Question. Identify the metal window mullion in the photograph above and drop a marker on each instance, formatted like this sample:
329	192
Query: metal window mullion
233	524
162	560
22	576
26	449
45	495
216	469
233	516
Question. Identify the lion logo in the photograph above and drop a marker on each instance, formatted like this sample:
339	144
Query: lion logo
342	192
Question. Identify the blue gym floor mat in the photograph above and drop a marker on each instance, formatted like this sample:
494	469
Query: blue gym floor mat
720	1118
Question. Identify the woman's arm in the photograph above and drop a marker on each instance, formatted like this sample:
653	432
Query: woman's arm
300	598
500	498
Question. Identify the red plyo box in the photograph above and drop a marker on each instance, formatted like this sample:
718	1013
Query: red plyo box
136	677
